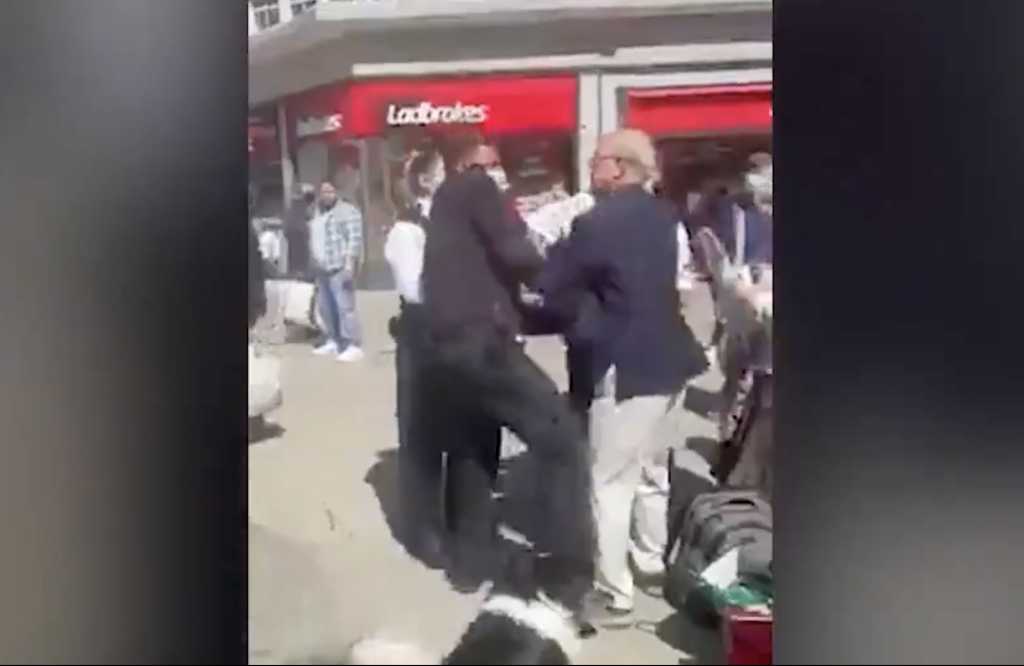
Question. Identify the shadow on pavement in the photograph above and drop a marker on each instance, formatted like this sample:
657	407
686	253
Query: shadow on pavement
261	430
513	507
383	478
705	447
702	402
701	645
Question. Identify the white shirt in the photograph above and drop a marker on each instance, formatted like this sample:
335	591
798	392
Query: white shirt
403	251
553	221
739	218
270	245
683	280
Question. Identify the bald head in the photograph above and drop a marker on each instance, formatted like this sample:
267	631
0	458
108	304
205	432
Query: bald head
623	158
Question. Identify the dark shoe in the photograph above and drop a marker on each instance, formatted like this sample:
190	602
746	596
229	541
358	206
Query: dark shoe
465	582
599	611
564	580
653	585
427	546
472	561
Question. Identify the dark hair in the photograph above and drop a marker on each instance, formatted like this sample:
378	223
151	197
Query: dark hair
455	146
417	167
408	190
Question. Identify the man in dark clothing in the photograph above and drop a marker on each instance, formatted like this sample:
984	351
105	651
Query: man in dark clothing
472	445
639	356
297	230
474	265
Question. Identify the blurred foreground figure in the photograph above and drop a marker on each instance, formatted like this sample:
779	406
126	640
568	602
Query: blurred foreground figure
631	352
476	260
257	283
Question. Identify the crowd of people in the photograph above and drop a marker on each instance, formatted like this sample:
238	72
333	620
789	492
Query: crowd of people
463	259
473	278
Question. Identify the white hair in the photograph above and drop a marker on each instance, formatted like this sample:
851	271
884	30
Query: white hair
636	151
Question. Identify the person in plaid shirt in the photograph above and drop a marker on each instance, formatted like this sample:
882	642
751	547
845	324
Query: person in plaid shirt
336	246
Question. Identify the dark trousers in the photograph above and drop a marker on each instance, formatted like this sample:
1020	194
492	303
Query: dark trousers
448	455
420	456
578	364
489	377
472	442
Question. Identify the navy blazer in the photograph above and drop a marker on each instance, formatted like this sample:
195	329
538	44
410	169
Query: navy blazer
623	253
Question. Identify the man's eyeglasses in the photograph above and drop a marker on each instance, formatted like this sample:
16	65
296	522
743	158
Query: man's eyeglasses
597	158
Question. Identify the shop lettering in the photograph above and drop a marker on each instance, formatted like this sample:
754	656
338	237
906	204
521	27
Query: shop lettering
428	114
313	126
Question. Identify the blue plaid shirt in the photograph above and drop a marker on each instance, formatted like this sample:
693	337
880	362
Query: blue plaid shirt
336	238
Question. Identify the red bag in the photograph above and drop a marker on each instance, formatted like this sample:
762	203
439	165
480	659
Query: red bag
748	637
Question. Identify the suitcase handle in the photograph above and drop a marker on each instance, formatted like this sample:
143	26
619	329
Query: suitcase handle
739	502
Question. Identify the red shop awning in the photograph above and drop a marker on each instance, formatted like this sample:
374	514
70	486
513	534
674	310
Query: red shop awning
494	105
701	110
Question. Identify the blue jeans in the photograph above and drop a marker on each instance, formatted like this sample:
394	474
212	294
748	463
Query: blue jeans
337	302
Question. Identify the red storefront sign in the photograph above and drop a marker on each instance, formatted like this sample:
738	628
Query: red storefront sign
494	105
701	110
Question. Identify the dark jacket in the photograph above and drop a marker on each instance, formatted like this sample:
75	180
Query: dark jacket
570	313
759	237
758	245
296	229
622	255
475	258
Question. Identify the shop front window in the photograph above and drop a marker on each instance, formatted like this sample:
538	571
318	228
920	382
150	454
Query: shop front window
539	168
694	168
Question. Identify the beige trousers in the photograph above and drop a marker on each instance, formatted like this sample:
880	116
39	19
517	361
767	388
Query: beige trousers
630	450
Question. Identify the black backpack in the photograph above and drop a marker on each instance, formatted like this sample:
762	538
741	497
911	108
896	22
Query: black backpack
715	523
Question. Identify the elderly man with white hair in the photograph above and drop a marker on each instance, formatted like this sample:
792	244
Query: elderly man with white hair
634	355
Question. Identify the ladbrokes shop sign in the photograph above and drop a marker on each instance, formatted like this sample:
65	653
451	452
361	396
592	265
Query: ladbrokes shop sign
494	105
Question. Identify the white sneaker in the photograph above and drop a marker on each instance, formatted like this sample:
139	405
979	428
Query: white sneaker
328	347
351	354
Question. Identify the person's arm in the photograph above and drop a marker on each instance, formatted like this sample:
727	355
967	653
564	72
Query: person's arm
404	254
684	257
556	312
352	226
505	237
683	237
570	266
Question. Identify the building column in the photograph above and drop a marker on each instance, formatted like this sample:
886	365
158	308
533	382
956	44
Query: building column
609	95
588	126
287	168
253	27
284	11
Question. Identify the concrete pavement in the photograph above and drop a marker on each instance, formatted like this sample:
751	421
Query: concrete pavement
324	568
